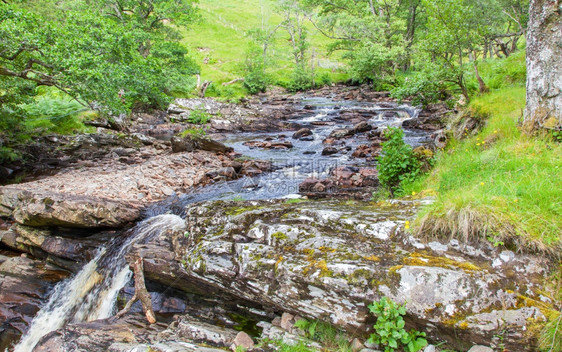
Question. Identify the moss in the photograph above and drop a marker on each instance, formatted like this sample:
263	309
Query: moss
279	235
234	211
372	258
418	259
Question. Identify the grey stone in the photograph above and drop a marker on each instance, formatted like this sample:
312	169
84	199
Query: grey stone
296	264
357	345
480	348
243	340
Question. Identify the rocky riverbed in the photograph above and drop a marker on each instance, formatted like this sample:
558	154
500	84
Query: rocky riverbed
236	245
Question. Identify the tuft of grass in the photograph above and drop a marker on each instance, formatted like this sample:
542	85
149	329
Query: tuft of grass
331	338
499	185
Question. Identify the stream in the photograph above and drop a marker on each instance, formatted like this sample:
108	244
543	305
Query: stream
91	294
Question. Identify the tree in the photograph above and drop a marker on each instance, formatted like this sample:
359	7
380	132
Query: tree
372	32
544	67
294	19
111	63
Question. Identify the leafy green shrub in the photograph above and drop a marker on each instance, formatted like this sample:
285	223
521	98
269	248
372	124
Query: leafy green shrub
195	133
397	161
501	73
423	88
256	82
199	117
324	79
301	80
53	111
389	328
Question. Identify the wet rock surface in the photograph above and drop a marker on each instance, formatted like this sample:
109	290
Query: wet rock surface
24	286
320	260
44	208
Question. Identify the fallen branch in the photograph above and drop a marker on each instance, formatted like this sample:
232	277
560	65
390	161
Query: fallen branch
233	81
140	294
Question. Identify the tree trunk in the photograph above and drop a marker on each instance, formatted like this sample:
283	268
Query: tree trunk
544	66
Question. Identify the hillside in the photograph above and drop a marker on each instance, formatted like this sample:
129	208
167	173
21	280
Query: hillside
223	60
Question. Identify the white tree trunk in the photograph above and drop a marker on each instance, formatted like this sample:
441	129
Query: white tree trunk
544	65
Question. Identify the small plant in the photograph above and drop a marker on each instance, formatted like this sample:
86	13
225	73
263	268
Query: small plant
330	337
194	133
199	117
397	162
301	80
390	331
557	135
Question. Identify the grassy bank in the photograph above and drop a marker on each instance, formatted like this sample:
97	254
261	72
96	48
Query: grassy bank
499	185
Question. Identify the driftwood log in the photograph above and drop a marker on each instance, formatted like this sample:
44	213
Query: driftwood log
140	294
233	81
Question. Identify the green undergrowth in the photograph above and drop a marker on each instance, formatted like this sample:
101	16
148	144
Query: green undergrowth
499	185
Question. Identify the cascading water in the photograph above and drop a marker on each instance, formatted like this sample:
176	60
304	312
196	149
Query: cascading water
91	294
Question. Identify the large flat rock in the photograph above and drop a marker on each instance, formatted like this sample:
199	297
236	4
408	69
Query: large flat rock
329	260
44	208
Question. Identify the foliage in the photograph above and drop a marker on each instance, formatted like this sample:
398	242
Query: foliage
199	117
256	80
195	133
390	329
397	162
301	80
331	338
424	87
551	336
498	183
113	63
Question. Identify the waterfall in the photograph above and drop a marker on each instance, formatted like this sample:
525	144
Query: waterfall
91	294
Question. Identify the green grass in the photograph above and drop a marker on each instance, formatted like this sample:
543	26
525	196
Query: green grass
500	185
231	20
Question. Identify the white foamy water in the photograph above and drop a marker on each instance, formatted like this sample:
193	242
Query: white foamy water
92	293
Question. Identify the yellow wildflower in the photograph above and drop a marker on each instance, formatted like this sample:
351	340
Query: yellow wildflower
481	183
407	225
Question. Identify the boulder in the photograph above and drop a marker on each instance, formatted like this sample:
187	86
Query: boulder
342	133
362	127
330	151
211	146
133	333
43	208
180	145
320	260
303	132
281	145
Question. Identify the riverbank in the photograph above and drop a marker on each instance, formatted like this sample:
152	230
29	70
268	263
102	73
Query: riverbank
212	264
